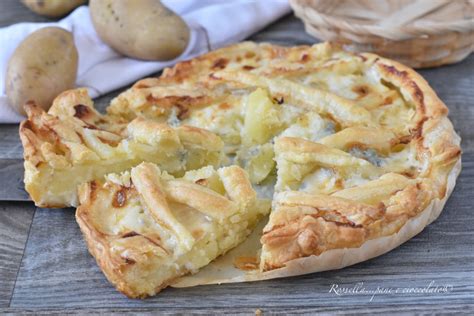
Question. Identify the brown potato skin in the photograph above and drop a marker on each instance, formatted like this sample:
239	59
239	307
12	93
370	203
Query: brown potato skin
142	29
42	66
52	8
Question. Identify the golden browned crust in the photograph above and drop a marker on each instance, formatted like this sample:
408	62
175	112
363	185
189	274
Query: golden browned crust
433	132
308	224
140	262
298	229
221	270
74	138
99	244
363	146
423	133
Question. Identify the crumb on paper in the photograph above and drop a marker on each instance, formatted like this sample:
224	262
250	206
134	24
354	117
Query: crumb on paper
246	263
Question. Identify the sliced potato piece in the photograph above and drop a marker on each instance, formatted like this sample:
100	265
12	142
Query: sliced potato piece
261	118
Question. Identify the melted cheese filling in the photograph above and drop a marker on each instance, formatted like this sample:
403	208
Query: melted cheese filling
212	237
57	185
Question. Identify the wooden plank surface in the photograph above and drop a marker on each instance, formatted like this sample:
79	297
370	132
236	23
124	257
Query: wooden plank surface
57	271
11	180
57	275
372	309
15	222
10	145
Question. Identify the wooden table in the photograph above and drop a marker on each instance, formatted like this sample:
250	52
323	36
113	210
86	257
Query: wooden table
44	264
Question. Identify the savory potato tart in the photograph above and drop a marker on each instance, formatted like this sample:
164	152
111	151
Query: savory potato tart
356	151
359	146
73	143
146	228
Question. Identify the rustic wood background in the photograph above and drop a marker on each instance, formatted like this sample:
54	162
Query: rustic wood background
45	267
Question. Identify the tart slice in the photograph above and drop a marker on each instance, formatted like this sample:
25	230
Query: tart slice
73	143
146	228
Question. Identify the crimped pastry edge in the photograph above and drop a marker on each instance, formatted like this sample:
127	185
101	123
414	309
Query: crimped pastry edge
329	260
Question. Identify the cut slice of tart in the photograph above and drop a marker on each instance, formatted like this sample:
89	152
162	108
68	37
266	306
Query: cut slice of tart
146	228
73	143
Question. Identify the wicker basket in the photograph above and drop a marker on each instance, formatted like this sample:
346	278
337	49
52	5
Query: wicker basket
421	33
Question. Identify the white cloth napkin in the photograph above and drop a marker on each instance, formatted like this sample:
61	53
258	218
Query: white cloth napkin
213	24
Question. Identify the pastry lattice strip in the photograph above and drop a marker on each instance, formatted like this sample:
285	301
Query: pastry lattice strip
146	228
78	144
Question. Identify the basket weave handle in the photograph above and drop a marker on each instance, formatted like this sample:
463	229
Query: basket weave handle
411	12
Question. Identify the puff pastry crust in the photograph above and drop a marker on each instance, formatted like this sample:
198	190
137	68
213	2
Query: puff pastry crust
357	148
73	143
146	228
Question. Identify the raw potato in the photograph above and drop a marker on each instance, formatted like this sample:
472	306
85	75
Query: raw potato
42	66
52	8
143	29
